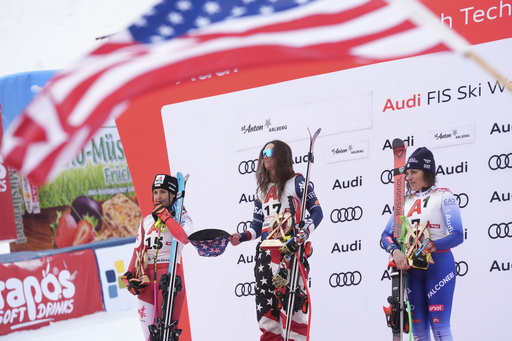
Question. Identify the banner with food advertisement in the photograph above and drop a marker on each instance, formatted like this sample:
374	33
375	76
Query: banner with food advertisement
39	291
93	199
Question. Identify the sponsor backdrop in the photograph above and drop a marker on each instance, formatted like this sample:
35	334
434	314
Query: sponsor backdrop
441	101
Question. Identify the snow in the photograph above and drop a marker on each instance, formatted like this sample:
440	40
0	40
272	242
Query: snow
100	326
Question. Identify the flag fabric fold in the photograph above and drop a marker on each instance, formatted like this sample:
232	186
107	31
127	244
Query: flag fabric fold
180	39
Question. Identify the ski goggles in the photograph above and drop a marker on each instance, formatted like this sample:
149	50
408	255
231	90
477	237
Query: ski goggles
268	152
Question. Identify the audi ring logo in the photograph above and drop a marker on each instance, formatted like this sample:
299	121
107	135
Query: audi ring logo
501	230
243	226
245	289
340	215
247	167
463	199
345	279
461	268
386	177
501	161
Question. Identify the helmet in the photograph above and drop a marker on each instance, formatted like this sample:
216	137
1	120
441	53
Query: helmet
166	182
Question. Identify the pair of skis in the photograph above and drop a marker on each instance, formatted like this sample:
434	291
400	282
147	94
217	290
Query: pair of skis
398	314
164	328
293	286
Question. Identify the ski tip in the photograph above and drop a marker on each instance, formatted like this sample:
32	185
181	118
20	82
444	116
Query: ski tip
398	143
315	135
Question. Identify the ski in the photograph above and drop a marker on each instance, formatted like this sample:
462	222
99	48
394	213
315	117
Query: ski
398	312
164	328
293	285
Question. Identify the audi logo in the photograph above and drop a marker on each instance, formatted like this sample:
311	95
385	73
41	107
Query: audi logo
501	230
247	167
243	226
461	268
245	289
386	177
463	199
345	279
340	215
501	161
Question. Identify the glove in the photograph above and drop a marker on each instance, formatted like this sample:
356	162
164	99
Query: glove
293	244
280	280
134	285
290	246
421	258
308	225
302	236
160	211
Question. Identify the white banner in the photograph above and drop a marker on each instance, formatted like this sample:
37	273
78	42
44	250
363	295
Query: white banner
441	101
112	264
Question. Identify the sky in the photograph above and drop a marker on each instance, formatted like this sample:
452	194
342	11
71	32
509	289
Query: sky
52	34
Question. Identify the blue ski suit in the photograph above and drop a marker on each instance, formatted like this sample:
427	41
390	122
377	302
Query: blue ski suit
431	290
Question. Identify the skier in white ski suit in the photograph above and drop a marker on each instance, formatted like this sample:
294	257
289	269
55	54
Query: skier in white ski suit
431	289
154	238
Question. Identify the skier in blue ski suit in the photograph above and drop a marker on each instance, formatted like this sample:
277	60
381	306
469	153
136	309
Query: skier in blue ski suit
431	289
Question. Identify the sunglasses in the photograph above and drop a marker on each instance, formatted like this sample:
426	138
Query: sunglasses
268	152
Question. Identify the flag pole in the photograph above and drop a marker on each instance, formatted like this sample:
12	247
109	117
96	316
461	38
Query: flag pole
423	16
489	68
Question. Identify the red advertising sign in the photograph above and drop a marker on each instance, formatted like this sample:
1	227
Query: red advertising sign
35	292
8	228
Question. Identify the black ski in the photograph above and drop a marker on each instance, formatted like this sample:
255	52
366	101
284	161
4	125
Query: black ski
293	289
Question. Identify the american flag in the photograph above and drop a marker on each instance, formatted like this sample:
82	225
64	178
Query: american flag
266	301
179	39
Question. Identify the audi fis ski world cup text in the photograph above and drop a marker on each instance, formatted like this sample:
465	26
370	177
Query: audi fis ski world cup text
462	92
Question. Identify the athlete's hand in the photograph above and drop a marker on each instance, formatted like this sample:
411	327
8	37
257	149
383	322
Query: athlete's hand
160	211
234	239
401	261
421	258
302	236
280	280
134	285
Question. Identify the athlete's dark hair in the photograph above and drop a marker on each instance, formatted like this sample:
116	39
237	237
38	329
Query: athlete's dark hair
283	167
